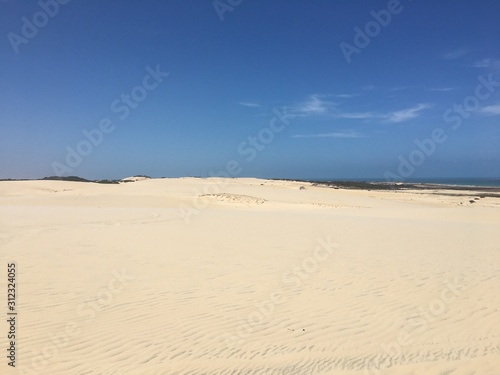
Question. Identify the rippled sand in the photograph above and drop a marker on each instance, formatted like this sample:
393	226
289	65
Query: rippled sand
247	276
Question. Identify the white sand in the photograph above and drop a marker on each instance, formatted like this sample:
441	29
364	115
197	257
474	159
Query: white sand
252	283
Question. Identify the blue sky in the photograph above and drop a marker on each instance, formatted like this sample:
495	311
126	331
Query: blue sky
231	68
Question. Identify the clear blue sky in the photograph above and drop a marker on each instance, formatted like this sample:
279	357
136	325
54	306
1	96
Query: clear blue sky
231	69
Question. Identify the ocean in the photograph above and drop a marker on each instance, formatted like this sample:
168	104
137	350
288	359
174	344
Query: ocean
464	181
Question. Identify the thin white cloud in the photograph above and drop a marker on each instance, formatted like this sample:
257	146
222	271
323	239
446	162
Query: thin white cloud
330	135
250	104
346	96
318	105
491	110
393	117
487	63
400	88
452	55
314	105
407	114
443	89
359	115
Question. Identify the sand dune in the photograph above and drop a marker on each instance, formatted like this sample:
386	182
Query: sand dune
247	276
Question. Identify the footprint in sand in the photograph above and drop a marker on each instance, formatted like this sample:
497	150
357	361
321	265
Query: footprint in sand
234	198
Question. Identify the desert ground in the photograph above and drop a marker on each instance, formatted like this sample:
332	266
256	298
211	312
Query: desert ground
248	276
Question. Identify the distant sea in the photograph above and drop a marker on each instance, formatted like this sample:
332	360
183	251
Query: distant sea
484	182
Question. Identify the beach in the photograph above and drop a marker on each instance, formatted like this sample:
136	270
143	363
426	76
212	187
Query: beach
250	276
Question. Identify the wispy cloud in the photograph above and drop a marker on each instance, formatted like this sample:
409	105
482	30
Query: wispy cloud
443	89
452	55
491	110
487	63
359	115
250	104
346	96
407	114
314	105
399	88
330	135
392	117
319	105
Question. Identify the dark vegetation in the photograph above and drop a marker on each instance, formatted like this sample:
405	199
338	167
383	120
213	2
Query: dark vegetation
68	178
